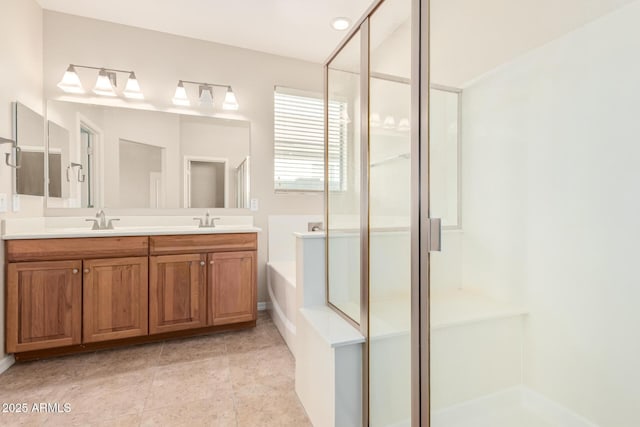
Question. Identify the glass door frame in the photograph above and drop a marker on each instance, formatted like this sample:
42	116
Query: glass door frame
422	237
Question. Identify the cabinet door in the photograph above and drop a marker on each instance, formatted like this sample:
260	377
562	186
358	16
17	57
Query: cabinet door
44	305
115	298
232	287
178	292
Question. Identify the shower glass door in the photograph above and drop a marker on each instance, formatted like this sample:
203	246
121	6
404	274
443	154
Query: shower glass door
390	214
373	207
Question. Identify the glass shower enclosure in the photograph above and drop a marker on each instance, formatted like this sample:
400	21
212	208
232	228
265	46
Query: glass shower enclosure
375	163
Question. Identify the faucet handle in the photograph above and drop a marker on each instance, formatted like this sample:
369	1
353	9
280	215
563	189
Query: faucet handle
199	220
213	221
110	223
95	225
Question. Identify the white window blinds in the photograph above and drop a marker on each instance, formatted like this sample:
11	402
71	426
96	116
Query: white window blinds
299	142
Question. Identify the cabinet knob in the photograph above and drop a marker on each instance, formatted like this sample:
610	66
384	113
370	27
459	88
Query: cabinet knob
86	270
211	262
201	262
75	271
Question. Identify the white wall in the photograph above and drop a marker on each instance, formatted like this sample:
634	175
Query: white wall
21	65
160	60
550	208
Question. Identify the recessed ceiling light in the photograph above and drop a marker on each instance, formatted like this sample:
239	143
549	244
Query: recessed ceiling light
340	24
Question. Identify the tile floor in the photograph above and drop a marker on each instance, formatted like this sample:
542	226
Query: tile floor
239	379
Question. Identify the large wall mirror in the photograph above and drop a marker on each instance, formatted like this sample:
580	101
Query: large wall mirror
29	134
114	157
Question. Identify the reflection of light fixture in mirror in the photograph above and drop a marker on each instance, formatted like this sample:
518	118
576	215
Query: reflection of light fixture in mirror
132	88
70	82
374	120
340	23
206	96
230	101
389	122
81	177
404	125
105	83
180	97
205	93
344	117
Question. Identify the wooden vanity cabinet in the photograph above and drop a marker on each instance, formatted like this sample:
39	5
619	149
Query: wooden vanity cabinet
186	294
115	298
232	285
177	292
81	294
44	305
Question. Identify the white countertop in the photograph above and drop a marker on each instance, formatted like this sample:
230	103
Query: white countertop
74	227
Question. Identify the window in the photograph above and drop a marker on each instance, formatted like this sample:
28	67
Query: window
299	142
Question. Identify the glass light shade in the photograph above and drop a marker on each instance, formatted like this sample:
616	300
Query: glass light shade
404	125
230	101
389	122
374	120
180	97
70	82
206	96
132	88
103	85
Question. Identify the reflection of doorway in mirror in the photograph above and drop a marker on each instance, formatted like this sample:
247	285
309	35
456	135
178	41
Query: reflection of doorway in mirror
88	152
205	181
140	175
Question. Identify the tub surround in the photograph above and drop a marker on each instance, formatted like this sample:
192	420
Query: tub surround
73	290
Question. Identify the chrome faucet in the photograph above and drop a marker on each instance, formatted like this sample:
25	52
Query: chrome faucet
207	221
101	223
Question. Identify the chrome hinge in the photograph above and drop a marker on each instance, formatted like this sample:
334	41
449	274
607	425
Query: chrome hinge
434	235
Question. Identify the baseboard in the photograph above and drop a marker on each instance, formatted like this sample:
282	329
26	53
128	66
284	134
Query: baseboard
262	306
6	362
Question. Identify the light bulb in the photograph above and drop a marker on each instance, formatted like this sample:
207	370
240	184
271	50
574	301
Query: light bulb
70	82
230	101
132	88
103	85
180	97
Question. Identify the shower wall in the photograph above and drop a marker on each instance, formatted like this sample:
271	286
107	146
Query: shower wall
550	210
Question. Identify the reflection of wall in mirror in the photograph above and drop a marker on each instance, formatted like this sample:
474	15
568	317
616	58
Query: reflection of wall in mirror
174	136
29	136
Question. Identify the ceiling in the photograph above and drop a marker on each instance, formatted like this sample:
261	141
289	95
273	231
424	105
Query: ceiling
295	28
468	37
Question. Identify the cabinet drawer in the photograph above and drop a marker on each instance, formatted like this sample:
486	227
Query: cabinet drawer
162	245
81	248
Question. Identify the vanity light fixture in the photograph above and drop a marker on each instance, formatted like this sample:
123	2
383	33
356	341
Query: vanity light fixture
389	123
230	102
180	98
132	88
341	23
106	83
404	125
70	82
374	120
205	94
